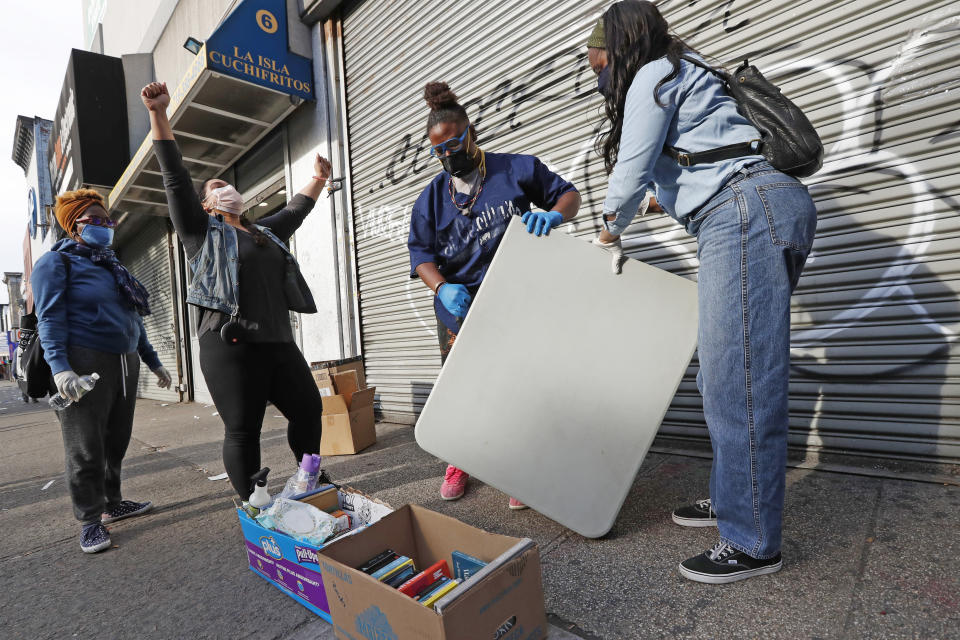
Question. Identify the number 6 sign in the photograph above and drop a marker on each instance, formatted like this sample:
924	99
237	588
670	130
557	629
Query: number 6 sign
267	21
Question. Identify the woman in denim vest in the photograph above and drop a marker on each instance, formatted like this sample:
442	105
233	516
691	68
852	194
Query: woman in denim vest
754	227
245	282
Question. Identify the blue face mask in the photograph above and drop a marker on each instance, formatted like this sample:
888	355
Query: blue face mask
603	82
100	237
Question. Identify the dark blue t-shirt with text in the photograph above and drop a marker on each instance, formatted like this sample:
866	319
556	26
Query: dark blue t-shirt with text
462	246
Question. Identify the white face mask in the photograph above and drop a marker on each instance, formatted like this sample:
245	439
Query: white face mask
226	199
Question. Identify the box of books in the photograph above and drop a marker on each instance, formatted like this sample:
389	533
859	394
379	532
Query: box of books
419	574
292	565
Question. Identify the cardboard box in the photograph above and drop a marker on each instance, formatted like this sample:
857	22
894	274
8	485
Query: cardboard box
293	566
348	425
341	366
348	418
506	603
325	384
327	500
346	384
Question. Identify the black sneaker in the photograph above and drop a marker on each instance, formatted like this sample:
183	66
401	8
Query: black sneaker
723	564
94	538
126	509
699	514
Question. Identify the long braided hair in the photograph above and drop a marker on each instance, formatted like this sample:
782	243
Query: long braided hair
258	236
636	34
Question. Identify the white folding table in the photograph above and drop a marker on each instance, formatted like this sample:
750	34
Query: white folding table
561	376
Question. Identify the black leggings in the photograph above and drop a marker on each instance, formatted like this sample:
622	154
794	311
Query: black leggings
242	378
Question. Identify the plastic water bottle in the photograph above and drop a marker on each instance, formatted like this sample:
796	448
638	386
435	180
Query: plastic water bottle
305	479
86	384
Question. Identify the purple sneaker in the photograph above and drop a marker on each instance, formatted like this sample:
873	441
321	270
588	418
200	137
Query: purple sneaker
126	509
94	538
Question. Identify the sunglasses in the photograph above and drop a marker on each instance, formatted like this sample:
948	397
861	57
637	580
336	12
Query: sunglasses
99	222
452	145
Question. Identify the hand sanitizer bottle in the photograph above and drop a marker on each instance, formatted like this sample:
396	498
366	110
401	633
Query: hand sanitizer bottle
305	479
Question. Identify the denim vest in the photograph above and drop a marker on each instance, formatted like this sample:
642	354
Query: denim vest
215	282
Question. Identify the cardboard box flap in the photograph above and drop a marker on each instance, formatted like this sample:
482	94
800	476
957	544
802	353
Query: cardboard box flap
509	557
361	399
439	536
352	366
346	384
511	598
333	405
340	366
324	383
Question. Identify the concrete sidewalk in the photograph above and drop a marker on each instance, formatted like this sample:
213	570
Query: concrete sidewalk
864	557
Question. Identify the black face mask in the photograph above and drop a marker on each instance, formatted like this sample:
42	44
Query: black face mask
459	163
603	82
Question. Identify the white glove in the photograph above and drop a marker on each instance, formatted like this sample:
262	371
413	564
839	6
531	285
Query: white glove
615	249
163	377
68	384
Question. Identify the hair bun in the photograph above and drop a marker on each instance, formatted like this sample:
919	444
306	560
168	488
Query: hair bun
439	95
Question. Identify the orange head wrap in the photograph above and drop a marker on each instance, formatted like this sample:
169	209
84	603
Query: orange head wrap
71	205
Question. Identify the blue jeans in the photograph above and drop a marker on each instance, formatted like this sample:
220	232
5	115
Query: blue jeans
753	238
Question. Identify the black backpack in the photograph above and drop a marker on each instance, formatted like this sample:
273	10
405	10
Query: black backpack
33	373
788	140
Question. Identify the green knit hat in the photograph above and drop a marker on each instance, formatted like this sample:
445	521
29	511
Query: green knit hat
596	39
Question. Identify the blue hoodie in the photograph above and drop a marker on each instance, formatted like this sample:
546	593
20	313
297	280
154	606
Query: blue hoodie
90	312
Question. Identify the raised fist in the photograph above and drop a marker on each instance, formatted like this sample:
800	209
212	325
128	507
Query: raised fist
321	167
155	96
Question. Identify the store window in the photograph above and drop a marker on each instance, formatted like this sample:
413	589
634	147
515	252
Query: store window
260	163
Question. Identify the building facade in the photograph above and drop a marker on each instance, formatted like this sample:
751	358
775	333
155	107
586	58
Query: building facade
30	145
14	284
875	317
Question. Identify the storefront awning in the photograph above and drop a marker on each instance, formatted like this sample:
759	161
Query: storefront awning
242	83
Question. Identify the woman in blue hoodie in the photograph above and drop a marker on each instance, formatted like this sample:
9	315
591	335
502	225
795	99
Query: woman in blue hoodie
89	312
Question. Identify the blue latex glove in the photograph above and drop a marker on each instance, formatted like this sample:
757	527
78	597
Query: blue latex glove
540	223
455	298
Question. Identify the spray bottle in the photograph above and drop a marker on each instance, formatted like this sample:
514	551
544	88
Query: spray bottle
260	499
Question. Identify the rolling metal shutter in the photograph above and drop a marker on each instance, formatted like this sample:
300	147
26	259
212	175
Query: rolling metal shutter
147	256
875	367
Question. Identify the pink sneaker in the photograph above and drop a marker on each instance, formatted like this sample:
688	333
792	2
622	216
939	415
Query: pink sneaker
454	484
516	505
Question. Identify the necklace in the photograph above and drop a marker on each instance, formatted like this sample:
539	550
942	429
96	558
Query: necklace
467	207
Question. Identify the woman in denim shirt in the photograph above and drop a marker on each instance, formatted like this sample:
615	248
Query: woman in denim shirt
754	227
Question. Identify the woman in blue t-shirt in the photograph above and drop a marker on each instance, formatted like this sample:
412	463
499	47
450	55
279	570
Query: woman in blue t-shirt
754	227
460	218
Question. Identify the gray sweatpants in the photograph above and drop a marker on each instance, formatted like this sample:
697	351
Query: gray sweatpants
96	430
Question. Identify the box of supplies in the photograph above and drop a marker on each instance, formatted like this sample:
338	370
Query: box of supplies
293	566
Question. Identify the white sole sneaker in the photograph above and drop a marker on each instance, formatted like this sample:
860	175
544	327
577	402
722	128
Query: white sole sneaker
709	578
694	522
97	547
105	519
